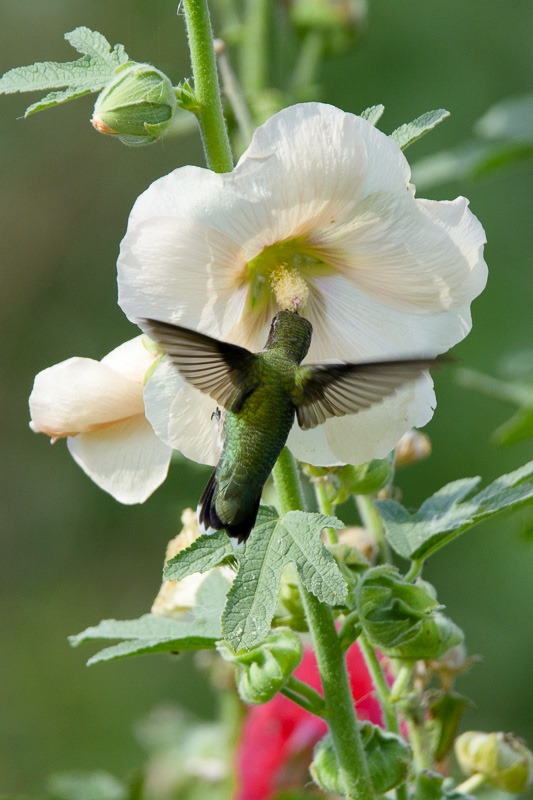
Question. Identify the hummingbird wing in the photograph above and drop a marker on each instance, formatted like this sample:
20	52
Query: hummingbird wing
223	371
333	390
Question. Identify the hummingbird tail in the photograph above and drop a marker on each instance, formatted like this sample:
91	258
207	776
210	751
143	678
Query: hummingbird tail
208	517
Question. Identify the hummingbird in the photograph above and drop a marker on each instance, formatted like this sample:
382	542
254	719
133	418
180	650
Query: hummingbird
260	394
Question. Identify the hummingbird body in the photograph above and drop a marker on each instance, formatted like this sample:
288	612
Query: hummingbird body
261	393
255	434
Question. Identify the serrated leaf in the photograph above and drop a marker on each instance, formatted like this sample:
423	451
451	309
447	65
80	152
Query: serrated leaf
90	73
274	543
409	133
94	44
204	553
447	513
373	114
195	630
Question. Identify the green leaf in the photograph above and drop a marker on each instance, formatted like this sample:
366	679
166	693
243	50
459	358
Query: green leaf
409	133
471	160
90	73
373	114
204	553
274	543
195	630
86	786
512	119
448	513
516	429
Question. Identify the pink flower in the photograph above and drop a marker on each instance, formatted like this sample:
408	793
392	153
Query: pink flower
278	737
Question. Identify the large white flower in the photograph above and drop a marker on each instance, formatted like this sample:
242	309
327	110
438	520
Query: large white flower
323	199
98	406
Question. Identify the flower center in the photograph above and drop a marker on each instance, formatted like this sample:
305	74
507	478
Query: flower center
283	270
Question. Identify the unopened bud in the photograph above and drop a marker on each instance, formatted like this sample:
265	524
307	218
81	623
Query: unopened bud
502	758
412	447
367	478
137	106
402	619
265	669
388	757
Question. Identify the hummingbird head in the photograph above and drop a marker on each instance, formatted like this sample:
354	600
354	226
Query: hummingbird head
290	332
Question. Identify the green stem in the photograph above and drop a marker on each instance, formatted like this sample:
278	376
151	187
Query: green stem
309	59
414	570
380	685
314	701
402	681
471	784
287	481
232	90
325	505
255	56
372	522
206	88
353	767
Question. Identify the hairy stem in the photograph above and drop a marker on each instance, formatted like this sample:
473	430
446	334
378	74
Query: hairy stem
342	721
206	87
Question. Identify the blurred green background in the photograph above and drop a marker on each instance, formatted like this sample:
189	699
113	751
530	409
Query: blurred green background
70	554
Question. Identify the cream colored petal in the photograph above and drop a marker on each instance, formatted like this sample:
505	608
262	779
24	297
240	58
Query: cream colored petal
414	255
350	325
372	433
80	395
182	416
126	459
131	359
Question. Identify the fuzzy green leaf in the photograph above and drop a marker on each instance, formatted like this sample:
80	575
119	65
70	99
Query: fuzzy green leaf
448	513
274	543
90	73
204	553
471	160
195	630
409	133
373	114
516	429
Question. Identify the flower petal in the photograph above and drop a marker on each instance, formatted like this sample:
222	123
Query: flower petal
127	459
80	395
181	415
371	433
131	359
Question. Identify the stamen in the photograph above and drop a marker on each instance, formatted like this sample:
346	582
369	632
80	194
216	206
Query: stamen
290	289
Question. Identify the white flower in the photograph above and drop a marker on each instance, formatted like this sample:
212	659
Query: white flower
98	406
325	197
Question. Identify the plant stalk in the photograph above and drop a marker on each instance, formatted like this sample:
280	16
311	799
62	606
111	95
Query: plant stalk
206	87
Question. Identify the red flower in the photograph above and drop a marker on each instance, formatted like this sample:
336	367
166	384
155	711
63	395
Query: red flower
278	737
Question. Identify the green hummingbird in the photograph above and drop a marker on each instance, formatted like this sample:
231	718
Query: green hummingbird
260	394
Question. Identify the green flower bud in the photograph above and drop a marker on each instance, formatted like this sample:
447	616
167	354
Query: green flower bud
137	106
368	478
388	757
432	786
264	670
401	619
502	758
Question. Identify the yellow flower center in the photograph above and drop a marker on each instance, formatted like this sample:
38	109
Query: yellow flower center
282	271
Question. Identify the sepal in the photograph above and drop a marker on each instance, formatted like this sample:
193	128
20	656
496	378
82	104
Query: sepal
388	757
264	670
402	619
138	105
